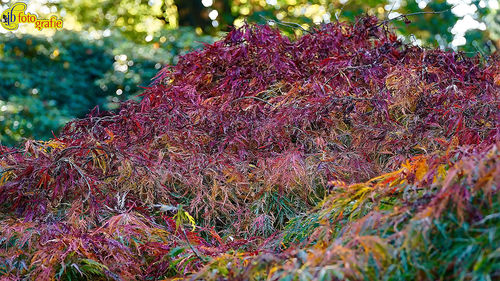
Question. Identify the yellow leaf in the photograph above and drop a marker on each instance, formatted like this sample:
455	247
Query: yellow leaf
191	220
54	144
384	176
441	173
6	176
422	169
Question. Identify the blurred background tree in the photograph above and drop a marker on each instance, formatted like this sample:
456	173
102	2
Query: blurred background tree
47	81
459	24
109	48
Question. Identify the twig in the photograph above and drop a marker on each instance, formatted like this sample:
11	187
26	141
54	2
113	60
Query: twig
409	15
350	98
82	174
256	98
474	43
10	153
339	13
191	246
287	24
347	68
347	79
61	154
392	7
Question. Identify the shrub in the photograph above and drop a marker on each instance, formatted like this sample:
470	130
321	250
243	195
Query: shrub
219	169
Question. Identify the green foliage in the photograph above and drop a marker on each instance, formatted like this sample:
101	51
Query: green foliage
49	80
84	269
29	116
138	19
134	18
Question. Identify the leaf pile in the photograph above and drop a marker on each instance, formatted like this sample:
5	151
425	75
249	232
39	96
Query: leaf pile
378	141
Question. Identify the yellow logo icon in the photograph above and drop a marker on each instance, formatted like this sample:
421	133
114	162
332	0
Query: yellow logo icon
11	18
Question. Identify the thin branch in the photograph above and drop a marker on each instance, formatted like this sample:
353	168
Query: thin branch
10	153
191	246
256	98
404	16
287	24
61	153
339	13
82	174
347	68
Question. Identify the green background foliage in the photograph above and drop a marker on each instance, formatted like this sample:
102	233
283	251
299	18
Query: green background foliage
47	81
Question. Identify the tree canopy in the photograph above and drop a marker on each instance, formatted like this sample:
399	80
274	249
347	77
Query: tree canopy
472	24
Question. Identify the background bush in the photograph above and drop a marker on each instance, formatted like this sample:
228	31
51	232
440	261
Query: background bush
46	81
